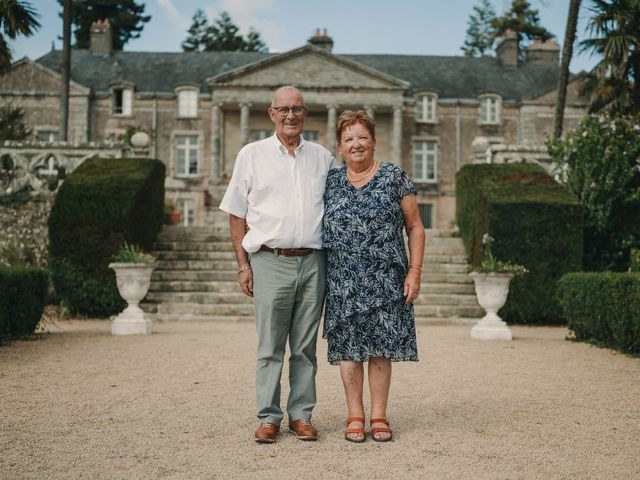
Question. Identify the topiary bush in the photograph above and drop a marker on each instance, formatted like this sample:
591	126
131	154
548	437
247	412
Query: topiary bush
24	293
102	204
534	221
603	308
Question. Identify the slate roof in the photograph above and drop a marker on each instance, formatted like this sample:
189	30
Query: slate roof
449	77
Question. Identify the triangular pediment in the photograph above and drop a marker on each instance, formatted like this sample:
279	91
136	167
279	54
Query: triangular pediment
307	67
29	77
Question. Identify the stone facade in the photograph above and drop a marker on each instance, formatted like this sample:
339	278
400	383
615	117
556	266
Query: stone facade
231	92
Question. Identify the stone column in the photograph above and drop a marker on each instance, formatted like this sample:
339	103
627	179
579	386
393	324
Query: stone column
370	109
245	110
331	128
396	136
216	159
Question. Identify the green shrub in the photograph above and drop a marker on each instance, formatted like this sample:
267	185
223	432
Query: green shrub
535	223
603	308
101	205
635	260
599	162
24	293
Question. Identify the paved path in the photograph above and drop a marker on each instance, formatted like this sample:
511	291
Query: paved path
179	404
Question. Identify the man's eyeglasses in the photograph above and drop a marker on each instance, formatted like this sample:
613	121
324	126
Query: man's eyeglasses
284	111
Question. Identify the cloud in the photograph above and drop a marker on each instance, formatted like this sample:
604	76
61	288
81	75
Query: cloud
245	14
174	15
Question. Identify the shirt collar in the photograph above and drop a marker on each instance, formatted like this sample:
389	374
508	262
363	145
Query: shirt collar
282	149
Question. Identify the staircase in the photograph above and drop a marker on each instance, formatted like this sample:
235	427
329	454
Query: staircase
196	279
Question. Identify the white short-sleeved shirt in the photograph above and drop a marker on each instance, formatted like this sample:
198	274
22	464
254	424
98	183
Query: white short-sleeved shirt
280	197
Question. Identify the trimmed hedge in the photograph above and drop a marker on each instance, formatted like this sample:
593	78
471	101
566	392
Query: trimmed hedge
535	222
24	294
603	308
102	204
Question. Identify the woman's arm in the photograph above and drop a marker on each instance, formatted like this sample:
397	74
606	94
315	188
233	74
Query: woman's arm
415	232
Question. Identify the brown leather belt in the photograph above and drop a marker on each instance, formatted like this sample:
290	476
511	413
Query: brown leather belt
288	252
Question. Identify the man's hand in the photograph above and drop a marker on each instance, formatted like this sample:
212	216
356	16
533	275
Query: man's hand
245	279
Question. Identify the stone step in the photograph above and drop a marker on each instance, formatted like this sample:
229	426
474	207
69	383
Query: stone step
190	255
205	298
429	268
193	237
442	258
443	250
181	273
195	308
430	288
443	277
448	311
445	242
434	233
190	317
193	286
213	246
217	265
447	299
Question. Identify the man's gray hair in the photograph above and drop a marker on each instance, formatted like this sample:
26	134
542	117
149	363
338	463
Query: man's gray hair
282	89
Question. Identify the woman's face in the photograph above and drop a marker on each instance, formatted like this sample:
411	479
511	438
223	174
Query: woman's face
356	145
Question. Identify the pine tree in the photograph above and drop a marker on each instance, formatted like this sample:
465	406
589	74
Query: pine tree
12	125
222	35
195	41
522	19
16	18
126	18
480	37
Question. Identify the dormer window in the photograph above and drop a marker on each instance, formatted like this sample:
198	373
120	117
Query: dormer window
490	106
188	103
122	101
426	107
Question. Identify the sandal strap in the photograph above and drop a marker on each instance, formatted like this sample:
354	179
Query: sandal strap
354	430
355	419
375	430
379	420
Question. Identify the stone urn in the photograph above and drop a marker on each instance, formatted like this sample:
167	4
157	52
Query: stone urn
491	290
133	281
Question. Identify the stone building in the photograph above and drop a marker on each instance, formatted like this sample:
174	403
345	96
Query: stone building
201	108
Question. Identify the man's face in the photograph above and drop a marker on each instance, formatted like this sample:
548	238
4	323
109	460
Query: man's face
288	113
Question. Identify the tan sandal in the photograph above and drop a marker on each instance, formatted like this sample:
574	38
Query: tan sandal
377	430
351	430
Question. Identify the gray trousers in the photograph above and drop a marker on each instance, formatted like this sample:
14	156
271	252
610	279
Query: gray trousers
288	295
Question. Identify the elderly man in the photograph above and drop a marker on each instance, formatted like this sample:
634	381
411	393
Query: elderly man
275	206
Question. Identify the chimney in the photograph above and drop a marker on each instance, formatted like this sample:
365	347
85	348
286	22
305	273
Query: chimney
101	37
507	49
543	53
321	40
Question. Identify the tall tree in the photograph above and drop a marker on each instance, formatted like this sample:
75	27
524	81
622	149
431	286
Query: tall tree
16	18
614	83
563	78
523	20
479	30
65	68
222	35
126	17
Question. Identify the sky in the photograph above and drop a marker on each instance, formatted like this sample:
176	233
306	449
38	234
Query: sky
413	27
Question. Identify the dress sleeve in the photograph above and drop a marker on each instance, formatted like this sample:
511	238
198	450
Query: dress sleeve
405	185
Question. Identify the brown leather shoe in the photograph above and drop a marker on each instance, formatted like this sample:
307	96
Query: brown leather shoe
303	430
266	433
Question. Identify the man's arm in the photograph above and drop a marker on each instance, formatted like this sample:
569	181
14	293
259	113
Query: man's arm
237	227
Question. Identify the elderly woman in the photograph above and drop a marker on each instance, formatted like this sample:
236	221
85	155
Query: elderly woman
371	286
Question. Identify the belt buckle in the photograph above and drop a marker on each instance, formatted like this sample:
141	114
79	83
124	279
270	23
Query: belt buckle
277	251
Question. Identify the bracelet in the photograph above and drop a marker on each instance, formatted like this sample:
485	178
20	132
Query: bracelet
416	267
244	267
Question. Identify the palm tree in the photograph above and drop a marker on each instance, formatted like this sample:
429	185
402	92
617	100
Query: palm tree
16	18
614	83
65	69
563	78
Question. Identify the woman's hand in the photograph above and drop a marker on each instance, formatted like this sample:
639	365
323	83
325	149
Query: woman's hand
412	285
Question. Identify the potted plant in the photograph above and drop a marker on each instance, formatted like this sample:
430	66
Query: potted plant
133	269
491	279
173	216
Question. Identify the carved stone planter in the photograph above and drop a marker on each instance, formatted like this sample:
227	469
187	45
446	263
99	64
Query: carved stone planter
492	290
133	281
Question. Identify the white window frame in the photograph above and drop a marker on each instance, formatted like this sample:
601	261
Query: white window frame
125	109
427	107
432	218
260	134
486	114
50	132
424	142
188	102
193	145
187	207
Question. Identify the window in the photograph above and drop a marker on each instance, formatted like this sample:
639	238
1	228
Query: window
187	155
426	214
188	103
426	108
490	109
187	208
122	101
47	136
311	135
425	161
260	134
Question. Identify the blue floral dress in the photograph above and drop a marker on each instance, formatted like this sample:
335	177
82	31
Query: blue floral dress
366	313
